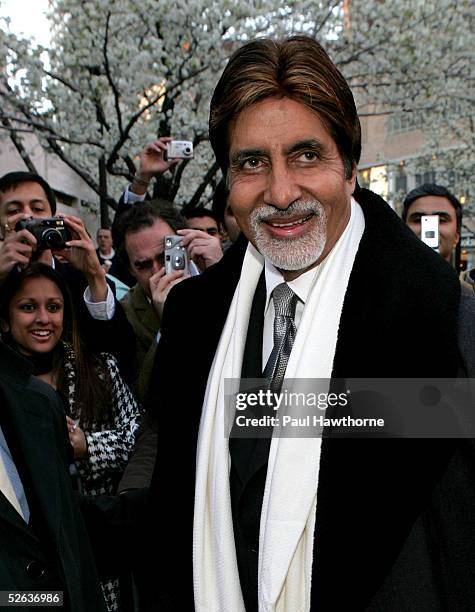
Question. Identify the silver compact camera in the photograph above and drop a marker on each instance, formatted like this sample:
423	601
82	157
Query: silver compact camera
179	149
176	257
430	230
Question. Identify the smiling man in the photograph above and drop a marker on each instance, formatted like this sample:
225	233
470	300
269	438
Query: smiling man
328	286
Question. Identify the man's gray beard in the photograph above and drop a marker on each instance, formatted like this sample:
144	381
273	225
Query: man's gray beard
291	253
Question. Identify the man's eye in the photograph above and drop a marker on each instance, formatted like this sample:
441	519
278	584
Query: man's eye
251	163
12	211
143	265
38	209
309	156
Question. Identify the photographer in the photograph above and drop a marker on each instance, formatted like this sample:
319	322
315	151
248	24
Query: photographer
141	231
102	323
203	248
141	234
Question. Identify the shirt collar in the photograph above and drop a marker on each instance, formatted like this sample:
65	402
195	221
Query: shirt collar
111	255
300	286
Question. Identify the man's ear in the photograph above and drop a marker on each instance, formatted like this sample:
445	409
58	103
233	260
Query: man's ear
352	179
457	239
4	326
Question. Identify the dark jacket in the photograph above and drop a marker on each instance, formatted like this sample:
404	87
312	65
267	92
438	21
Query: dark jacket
393	527
53	551
145	323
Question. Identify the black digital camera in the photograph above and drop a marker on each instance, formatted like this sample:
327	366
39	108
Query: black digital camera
50	232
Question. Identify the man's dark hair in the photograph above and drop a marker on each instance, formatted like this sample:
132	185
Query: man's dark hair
199	212
144	214
12	179
220	197
297	68
431	189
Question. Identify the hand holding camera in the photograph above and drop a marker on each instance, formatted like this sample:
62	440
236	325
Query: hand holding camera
173	272
203	249
81	253
18	245
152	161
160	285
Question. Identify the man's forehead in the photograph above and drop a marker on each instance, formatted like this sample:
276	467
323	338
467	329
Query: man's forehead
24	190
208	221
431	204
147	241
279	125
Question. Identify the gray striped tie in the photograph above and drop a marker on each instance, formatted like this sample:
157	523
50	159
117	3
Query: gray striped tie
285	302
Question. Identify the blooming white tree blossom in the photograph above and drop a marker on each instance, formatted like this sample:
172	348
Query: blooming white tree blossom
121	72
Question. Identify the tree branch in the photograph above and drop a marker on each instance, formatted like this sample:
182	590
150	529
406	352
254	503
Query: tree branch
136	116
86	177
110	80
195	200
318	29
19	145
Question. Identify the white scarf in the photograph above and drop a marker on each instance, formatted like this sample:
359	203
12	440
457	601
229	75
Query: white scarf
289	505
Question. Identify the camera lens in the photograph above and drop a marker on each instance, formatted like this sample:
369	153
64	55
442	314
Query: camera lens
187	150
179	263
52	239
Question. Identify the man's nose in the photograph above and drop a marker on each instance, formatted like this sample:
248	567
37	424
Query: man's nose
282	188
156	266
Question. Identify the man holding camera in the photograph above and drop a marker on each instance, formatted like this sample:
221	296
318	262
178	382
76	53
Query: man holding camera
437	201
141	232
203	247
26	198
329	287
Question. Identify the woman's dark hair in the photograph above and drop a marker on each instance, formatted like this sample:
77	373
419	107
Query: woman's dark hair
93	386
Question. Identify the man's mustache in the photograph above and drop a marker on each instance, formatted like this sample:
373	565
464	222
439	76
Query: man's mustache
304	208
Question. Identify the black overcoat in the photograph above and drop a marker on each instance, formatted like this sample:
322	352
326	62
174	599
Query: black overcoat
395	526
53	552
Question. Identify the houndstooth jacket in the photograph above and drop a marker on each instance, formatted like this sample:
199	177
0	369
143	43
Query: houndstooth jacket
110	443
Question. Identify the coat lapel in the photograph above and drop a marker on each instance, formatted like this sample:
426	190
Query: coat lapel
249	455
144	313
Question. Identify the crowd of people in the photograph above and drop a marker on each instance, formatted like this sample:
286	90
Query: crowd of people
119	486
